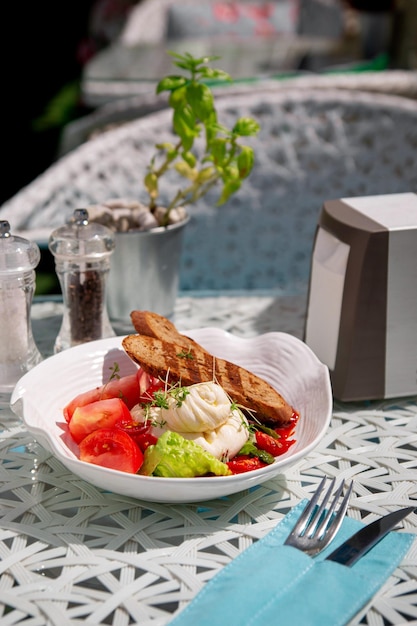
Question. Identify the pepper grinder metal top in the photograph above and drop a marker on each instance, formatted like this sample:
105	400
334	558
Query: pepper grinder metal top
82	253
18	351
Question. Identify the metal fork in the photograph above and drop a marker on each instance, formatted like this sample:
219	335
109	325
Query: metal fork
316	526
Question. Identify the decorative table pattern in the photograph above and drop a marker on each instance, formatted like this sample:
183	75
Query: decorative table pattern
73	554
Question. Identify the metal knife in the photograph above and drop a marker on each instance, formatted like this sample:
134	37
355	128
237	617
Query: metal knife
366	538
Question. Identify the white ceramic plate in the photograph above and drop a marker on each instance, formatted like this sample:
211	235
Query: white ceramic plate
284	361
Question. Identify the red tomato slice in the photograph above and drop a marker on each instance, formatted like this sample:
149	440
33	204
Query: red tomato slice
144	381
289	429
111	447
140	433
100	414
273	446
147	386
244	463
126	388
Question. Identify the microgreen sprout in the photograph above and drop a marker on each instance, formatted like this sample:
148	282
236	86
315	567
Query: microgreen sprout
114	375
185	354
115	369
179	394
160	399
158	424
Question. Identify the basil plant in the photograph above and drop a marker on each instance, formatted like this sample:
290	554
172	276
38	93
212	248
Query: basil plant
222	159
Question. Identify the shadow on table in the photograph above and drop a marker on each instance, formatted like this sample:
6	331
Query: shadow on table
285	314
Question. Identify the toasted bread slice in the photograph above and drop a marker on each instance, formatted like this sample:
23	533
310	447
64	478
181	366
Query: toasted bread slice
188	363
154	325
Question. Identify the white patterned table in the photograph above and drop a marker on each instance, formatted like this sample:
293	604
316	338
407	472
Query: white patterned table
73	554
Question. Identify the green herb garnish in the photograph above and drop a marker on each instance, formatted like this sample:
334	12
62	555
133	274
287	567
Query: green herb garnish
185	355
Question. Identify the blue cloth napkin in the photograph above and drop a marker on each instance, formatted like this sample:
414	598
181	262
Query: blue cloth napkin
270	583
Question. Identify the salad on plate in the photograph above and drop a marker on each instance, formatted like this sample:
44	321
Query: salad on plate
157	426
139	424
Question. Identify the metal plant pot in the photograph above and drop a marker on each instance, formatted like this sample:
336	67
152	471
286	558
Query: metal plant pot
144	273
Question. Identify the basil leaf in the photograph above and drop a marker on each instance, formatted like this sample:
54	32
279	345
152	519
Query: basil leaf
169	83
200	99
246	126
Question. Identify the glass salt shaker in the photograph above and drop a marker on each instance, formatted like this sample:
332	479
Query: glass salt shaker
18	350
82	253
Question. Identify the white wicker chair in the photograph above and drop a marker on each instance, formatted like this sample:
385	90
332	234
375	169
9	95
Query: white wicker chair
313	146
395	82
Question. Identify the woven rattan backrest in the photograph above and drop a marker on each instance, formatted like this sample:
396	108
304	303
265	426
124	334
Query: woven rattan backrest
313	146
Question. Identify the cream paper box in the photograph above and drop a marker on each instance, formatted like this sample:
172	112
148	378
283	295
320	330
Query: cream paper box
362	303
